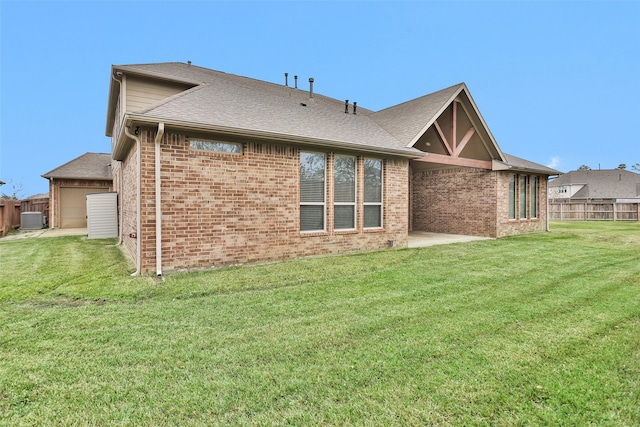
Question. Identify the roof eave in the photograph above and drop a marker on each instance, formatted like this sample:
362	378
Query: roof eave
409	153
497	165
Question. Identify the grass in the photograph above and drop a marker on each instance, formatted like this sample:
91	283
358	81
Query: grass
536	329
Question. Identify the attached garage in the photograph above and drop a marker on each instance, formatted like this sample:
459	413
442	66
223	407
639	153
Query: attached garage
69	185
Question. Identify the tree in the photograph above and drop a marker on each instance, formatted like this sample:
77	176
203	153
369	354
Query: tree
584	168
15	192
636	167
622	166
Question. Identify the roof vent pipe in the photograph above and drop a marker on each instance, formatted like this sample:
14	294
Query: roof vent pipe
311	87
355	105
346	106
295	78
286	79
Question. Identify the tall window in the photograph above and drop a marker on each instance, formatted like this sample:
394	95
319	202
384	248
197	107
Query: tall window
344	193
312	191
372	193
534	196
523	196
512	196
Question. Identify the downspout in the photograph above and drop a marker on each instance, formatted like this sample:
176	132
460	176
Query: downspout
138	201
53	204
159	136
120	207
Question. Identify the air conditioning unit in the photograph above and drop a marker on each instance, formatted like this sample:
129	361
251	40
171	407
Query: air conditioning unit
31	221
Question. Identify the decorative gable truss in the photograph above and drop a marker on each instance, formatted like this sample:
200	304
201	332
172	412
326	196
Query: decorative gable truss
458	136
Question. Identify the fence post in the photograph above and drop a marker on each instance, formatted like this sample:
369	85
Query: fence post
614	211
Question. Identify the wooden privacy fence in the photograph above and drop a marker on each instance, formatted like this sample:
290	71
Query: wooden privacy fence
596	211
9	215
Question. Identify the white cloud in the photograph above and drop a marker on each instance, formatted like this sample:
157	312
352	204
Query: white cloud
554	163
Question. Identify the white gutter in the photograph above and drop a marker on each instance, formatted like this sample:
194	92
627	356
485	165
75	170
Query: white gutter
138	119
159	136
138	201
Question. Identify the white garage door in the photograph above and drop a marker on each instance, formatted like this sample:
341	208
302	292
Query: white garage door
73	205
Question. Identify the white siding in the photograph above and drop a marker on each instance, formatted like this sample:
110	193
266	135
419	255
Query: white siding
102	215
141	94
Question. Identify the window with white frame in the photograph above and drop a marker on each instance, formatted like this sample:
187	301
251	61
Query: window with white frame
373	178
344	192
312	191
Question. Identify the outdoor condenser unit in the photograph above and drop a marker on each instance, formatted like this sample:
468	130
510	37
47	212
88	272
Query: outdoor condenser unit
31	221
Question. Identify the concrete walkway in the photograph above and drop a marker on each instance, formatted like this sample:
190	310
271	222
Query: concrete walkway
419	239
46	232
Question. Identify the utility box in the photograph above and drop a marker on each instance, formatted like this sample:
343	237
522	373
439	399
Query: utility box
31	221
102	215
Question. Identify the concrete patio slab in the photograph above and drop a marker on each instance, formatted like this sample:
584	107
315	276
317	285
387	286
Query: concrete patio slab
419	239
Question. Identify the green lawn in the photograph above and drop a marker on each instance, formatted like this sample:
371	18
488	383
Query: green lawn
540	329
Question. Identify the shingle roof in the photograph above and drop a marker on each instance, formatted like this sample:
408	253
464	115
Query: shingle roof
519	164
602	184
95	166
232	101
406	120
242	105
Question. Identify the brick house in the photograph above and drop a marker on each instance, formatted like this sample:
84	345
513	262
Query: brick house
217	169
69	185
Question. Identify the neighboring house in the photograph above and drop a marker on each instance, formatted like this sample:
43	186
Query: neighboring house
217	169
596	185
70	183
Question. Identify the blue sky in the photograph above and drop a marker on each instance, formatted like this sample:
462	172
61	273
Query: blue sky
558	83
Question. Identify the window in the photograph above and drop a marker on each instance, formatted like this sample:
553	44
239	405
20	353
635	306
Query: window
312	191
215	146
372	193
512	196
523	196
344	193
534	196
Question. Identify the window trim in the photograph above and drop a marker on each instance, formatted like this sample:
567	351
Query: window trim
523	202
534	189
381	202
513	192
324	195
355	193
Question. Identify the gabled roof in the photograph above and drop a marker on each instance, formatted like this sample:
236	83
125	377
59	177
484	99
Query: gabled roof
407	121
518	164
89	166
601	184
223	103
253	107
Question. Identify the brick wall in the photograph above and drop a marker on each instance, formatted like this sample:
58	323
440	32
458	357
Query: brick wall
456	201
508	227
472	202
125	183
225	209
